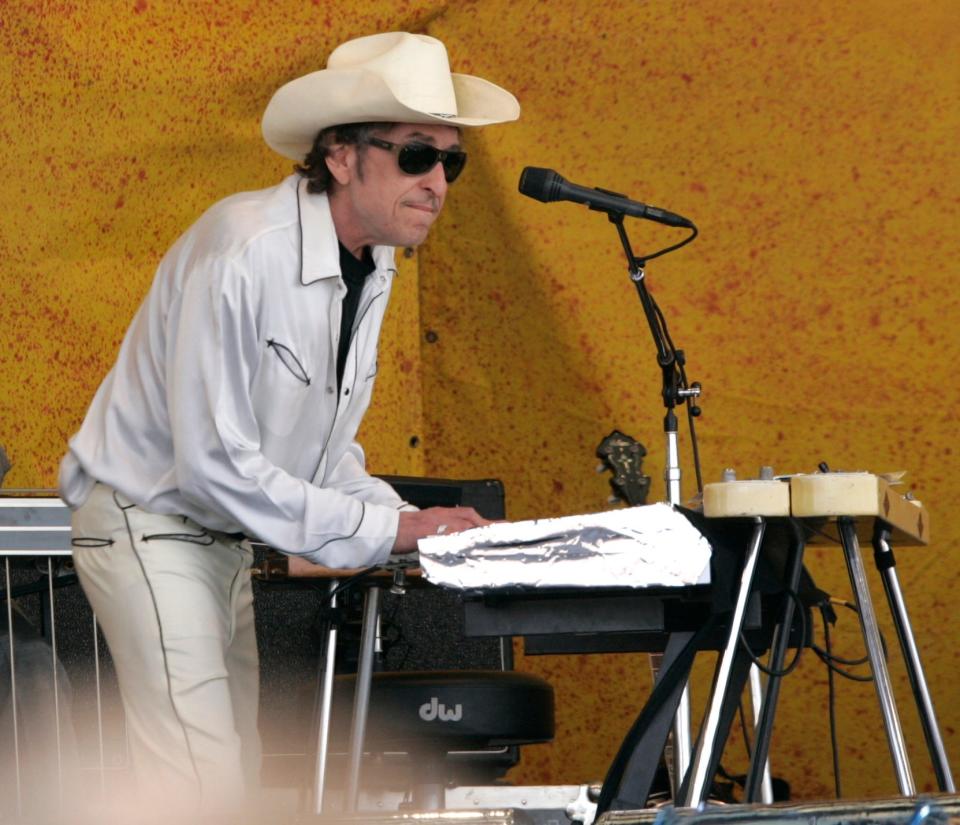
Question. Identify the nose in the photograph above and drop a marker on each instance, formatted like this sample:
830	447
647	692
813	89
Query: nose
435	182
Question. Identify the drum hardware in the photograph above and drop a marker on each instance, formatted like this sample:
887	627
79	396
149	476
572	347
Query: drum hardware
399	584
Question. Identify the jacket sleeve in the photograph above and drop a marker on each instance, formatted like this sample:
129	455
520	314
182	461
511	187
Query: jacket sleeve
212	354
350	477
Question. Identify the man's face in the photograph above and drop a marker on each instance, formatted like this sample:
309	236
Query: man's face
376	203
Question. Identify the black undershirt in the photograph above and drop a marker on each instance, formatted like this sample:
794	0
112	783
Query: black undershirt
354	274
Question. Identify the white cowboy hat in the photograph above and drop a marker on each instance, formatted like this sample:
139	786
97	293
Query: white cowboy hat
393	77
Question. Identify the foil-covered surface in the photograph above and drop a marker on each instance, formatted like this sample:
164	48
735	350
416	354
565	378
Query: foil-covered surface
630	547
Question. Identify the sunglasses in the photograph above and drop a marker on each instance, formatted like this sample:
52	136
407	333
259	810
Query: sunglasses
419	158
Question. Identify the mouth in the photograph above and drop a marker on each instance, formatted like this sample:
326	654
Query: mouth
427	207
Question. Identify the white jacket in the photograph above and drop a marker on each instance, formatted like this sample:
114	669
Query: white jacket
223	403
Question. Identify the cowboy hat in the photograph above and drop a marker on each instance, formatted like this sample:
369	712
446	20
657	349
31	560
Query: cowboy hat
393	77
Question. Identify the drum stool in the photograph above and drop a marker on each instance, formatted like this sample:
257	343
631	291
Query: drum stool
430	714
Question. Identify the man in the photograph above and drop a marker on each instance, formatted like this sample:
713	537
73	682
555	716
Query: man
236	397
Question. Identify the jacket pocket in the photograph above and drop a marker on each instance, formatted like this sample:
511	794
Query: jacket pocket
280	388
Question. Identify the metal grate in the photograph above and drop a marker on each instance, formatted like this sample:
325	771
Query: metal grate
62	728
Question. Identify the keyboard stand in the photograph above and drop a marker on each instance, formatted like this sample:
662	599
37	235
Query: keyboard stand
887	566
732	669
842	506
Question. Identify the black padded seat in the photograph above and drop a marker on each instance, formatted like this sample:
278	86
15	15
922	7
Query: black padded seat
463	709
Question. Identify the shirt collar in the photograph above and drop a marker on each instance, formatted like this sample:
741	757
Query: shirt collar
319	247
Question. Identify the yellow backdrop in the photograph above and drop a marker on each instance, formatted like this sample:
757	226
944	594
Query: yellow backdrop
812	142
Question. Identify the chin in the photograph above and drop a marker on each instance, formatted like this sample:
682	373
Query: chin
415	238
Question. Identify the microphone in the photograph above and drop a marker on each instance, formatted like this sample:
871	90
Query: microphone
546	185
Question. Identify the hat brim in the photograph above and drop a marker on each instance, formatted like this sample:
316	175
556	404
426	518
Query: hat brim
331	97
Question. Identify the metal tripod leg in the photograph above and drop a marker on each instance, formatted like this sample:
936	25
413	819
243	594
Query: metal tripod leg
887	566
8	582
871	637
756	701
758	777
729	706
361	696
698	781
680	744
326	702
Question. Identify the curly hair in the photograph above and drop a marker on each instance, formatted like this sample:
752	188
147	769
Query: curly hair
314	166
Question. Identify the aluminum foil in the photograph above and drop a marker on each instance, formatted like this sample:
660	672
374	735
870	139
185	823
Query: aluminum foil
630	547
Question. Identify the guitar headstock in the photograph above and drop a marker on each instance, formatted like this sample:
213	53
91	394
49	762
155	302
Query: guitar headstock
623	456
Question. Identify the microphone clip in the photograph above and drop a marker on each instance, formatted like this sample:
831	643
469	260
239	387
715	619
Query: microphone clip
615	215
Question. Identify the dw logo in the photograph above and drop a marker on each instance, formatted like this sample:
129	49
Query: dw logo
434	709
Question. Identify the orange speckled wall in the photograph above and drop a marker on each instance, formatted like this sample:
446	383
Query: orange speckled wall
121	123
813	143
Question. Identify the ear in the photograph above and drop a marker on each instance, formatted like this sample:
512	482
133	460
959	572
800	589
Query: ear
341	160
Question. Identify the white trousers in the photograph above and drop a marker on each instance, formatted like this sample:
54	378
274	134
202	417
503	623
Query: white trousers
175	603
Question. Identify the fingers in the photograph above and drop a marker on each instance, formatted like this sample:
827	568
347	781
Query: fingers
434	521
467	517
445	520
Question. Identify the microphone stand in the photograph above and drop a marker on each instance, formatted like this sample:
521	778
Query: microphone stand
669	360
673	393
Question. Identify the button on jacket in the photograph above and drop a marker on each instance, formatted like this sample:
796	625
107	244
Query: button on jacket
223	405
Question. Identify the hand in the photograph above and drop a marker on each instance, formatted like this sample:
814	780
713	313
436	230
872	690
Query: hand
418	524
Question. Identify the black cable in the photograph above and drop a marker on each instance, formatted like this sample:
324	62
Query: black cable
798	651
733	781
695	448
326	615
832	710
393	638
684	242
347	583
830	659
855	609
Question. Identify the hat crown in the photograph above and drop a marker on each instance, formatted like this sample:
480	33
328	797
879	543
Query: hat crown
414	66
393	78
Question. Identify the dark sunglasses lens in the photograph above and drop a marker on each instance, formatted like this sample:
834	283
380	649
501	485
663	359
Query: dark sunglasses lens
453	165
418	159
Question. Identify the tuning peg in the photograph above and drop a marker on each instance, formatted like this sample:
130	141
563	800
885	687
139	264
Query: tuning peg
601	468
